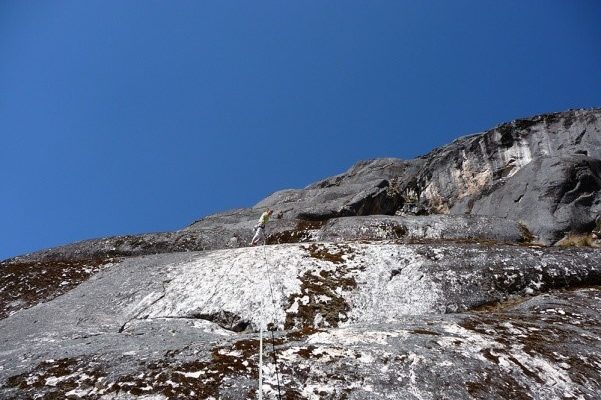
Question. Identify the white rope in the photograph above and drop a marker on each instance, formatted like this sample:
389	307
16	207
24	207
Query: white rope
262	322
261	353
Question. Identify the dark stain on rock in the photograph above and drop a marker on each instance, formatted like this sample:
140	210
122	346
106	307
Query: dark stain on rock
487	353
506	131
400	230
307	352
525	235
525	370
395	272
226	320
425	332
492	385
524	124
578	139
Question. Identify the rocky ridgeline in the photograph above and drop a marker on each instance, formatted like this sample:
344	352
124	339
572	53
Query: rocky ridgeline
470	272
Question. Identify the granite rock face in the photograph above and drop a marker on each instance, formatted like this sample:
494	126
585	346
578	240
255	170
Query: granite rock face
352	320
542	173
547	166
429	278
570	201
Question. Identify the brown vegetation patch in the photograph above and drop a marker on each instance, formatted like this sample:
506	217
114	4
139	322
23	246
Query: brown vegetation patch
25	284
236	360
334	254
320	302
578	240
497	306
306	352
193	379
302	233
319	297
58	377
306	225
492	385
302	333
525	235
172	378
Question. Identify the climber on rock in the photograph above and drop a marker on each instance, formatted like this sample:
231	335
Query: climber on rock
260	227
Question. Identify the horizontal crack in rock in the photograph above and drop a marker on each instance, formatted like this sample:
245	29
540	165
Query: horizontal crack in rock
226	320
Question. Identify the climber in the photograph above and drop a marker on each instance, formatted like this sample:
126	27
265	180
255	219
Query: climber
260	227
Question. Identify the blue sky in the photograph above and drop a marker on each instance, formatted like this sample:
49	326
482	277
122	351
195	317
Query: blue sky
123	117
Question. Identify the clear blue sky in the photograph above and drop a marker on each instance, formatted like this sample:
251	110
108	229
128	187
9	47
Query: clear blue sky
122	117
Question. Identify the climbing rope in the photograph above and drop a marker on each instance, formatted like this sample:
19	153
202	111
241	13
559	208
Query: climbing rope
274	324
261	353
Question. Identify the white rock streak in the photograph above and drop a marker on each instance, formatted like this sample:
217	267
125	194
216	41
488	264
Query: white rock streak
388	277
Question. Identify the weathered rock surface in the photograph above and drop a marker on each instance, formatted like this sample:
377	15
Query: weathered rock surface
422	228
571	188
353	321
420	279
456	175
